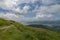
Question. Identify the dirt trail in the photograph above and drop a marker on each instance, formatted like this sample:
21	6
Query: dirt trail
6	27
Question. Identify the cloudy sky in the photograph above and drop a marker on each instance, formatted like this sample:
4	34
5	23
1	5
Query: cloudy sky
30	10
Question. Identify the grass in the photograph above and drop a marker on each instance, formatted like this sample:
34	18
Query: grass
22	32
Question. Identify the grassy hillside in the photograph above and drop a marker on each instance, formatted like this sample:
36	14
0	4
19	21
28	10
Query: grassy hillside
22	32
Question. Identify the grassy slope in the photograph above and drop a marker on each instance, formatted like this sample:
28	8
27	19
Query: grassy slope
22	32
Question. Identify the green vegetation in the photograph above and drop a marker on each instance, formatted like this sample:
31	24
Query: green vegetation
5	22
22	32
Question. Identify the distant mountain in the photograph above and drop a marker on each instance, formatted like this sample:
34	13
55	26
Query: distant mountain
56	22
55	28
11	30
51	25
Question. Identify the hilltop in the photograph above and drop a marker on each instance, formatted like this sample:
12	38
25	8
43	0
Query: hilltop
11	30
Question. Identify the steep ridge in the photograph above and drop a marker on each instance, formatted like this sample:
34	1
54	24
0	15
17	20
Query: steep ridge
15	31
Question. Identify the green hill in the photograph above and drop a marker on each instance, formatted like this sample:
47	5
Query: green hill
10	30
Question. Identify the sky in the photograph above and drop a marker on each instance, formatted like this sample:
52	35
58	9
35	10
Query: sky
30	10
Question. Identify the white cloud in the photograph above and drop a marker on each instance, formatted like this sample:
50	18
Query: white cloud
22	11
48	12
9	16
8	4
44	16
44	12
18	18
48	2
13	5
54	9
